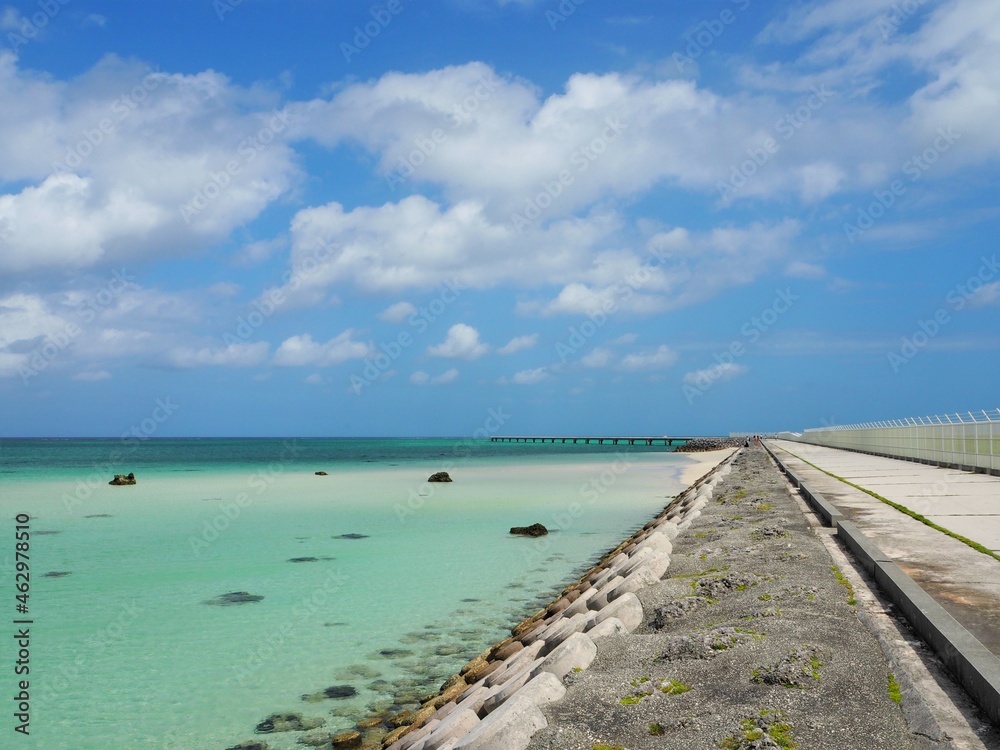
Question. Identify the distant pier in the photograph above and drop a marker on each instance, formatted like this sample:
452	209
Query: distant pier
664	440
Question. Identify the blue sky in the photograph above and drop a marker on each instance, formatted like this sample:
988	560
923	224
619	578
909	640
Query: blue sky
311	218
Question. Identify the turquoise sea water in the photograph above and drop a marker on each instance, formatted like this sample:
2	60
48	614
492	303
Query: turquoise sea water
125	652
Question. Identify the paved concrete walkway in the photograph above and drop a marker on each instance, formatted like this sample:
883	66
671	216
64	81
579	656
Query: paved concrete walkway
964	581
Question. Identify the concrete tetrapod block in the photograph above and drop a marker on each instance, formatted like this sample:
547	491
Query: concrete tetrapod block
474	700
633	582
616	560
558	605
658	542
414	738
656	563
576	652
481	682
668	529
543	689
567	627
508	728
611	626
601	569
638	536
535	633
580	605
500	693
552	628
599	600
530	636
444	711
508	651
514	664
641	552
606	575
688	520
458	724
626	608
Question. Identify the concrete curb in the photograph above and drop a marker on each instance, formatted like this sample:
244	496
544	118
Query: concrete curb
827	511
865	551
974	666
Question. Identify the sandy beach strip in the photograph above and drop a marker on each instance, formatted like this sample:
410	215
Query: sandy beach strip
703	463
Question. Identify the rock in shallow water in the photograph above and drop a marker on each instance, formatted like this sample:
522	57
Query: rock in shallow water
347	740
340	691
536	529
440	476
123	479
288	722
335	691
316	739
234	597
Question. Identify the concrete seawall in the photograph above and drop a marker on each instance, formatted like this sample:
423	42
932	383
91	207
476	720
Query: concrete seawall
495	701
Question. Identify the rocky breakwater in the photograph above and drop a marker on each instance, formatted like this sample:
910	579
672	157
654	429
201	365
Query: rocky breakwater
493	703
701	445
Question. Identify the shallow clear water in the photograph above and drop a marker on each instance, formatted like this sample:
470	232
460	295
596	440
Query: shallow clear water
126	654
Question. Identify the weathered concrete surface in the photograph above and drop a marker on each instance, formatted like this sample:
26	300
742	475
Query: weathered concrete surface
507	728
749	597
960	501
933	704
963	581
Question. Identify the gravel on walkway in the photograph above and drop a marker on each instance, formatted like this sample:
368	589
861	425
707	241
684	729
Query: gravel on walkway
750	641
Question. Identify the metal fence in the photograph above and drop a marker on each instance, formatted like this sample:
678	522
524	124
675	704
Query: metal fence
969	441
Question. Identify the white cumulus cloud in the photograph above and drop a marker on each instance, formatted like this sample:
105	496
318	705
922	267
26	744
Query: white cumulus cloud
531	377
599	356
519	343
233	355
422	378
104	163
661	357
302	350
397	313
986	295
92	376
714	374
462	342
